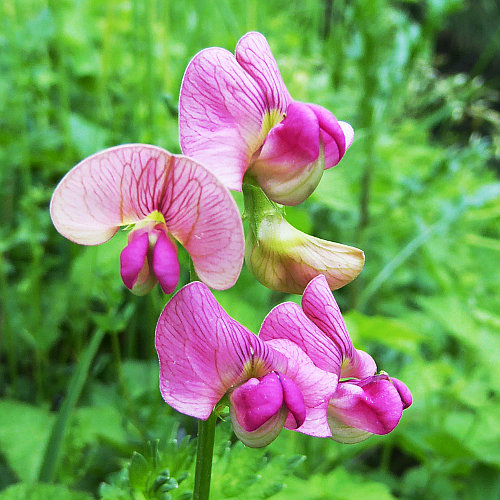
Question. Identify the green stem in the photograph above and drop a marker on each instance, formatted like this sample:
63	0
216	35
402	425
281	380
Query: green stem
205	451
257	204
54	446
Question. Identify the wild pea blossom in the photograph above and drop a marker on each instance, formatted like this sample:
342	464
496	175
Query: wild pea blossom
163	196
236	115
286	259
205	355
363	403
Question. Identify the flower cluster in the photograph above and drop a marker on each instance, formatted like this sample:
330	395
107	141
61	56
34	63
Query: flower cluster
241	130
301	372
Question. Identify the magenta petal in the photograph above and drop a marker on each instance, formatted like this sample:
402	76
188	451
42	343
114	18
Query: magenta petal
320	307
165	263
332	135
132	259
294	400
315	385
404	392
288	168
221	111
372	404
256	401
203	352
288	321
203	216
254	54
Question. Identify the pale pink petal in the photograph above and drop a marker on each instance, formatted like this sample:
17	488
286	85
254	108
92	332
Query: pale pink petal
115	187
372	404
288	321
256	401
348	134
166	263
321	308
254	54
286	259
221	112
203	352
264	434
289	166
203	216
332	135
133	258
317	387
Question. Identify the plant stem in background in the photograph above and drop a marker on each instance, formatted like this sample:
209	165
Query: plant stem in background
204	455
54	446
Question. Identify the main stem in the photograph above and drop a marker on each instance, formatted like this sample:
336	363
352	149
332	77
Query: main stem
205	449
204	455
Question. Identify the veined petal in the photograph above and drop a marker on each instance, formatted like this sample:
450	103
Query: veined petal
320	307
203	352
203	216
332	134
372	404
317	387
288	321
117	186
289	165
286	259
221	114
255	56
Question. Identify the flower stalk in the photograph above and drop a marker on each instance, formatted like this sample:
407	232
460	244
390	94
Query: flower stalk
204	456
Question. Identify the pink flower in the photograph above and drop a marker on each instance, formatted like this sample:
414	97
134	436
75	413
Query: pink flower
165	197
236	115
364	403
205	355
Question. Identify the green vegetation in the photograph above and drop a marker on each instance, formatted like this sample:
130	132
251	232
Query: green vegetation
418	191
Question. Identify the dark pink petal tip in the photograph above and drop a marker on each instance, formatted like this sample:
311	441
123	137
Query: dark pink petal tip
336	136
404	392
165	263
256	401
372	404
289	166
294	400
133	258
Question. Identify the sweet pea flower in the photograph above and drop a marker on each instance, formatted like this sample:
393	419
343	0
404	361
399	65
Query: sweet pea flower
364	403
165	197
205	355
285	259
236	116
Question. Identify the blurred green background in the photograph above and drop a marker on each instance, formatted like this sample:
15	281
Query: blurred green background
418	191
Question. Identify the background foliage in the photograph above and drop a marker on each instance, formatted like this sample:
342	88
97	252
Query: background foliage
418	191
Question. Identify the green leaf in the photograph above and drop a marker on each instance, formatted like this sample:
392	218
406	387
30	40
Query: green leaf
138	471
24	432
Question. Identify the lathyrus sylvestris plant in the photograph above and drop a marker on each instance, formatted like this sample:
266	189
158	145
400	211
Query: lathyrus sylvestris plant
243	130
